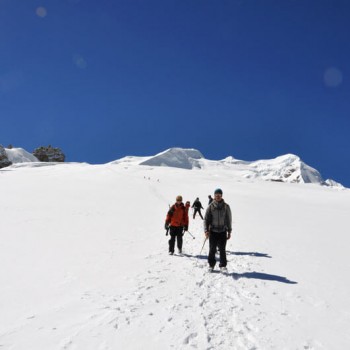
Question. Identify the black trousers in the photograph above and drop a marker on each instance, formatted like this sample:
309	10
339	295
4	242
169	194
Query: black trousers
217	239
175	233
197	210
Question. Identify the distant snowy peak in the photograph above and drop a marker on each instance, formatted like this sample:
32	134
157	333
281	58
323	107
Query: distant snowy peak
290	168
130	160
286	168
334	184
176	158
19	155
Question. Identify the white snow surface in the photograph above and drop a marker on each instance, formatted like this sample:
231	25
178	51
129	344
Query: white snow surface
20	155
84	262
287	168
177	158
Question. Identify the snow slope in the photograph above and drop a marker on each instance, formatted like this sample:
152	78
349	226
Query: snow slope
20	155
177	158
84	262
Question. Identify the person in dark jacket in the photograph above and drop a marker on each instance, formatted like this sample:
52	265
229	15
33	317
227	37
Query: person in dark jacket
210	199
177	221
218	228
197	206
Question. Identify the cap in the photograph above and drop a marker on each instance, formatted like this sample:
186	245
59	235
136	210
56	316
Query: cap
218	190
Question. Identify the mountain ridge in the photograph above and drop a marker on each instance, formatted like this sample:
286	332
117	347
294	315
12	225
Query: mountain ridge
285	168
288	168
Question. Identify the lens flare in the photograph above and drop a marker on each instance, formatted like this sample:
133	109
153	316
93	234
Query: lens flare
79	61
333	77
41	12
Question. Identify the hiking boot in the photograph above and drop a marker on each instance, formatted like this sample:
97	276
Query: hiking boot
180	251
210	269
223	269
171	253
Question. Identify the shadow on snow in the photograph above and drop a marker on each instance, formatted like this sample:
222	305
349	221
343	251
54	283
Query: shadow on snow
254	274
259	255
262	276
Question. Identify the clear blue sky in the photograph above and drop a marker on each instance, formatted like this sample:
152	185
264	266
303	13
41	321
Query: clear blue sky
249	78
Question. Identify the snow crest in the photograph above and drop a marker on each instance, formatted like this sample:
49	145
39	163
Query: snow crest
287	168
20	155
177	158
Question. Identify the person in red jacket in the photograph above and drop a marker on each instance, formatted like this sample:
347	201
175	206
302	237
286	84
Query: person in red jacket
177	221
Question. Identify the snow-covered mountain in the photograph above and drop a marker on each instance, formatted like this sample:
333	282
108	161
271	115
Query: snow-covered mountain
20	155
177	158
287	168
85	265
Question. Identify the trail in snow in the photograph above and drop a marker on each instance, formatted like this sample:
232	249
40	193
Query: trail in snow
177	304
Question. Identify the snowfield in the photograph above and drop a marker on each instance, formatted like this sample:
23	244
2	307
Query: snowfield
84	262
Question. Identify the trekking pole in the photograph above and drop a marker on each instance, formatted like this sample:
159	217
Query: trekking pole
191	234
203	245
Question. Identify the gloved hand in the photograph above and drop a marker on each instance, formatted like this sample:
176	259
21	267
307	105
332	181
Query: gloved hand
206	234
228	235
166	226
185	228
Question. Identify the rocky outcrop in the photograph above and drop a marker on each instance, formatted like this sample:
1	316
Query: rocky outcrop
49	154
4	161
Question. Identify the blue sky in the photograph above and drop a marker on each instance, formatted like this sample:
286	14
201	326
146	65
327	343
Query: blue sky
248	78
